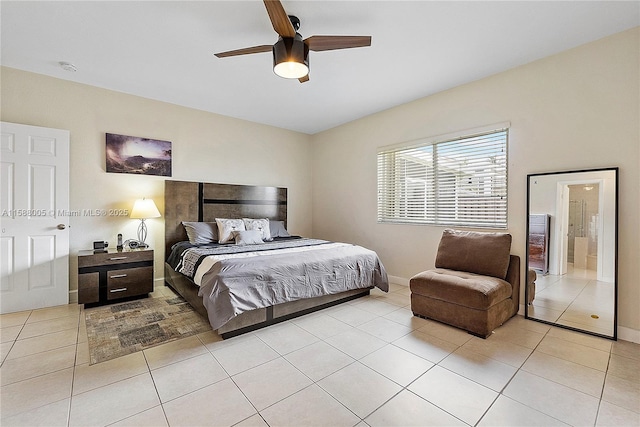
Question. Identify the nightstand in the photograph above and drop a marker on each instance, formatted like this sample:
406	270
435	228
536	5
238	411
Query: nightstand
110	276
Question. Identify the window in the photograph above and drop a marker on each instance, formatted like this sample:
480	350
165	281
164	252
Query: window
458	181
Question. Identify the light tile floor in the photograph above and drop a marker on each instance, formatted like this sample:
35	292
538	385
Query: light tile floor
365	363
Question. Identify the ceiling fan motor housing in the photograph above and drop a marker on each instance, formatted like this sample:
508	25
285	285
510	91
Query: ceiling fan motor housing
291	57
295	21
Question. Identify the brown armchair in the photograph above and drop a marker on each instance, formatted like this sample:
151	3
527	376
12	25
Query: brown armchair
475	285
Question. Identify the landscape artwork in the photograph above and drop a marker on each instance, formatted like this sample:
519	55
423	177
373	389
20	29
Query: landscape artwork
132	154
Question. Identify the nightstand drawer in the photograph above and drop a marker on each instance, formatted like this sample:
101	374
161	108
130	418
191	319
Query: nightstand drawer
129	282
114	258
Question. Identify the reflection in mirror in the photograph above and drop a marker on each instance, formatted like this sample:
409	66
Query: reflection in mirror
572	248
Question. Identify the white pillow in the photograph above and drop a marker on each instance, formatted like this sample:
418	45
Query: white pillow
226	227
249	237
262	225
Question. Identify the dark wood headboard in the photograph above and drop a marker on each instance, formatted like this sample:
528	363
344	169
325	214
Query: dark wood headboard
201	201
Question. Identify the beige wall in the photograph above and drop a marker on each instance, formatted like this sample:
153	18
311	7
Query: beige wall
575	110
206	147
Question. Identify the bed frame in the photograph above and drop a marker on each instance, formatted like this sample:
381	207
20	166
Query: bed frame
199	201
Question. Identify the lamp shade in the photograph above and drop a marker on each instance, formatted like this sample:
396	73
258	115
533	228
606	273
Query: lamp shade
291	57
144	208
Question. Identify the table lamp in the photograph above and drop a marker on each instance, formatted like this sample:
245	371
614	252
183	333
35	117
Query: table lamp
143	209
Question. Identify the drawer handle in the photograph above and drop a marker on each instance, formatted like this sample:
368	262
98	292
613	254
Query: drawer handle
116	258
118	290
118	276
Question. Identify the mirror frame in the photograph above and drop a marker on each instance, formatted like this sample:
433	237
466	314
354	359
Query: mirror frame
616	214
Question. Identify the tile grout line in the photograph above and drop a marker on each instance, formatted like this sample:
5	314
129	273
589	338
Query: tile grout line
296	368
501	392
555	382
354	361
359	360
604	384
234	383
13	342
155	386
73	376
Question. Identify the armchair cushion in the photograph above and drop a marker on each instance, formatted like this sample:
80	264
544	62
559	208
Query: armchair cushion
474	252
465	289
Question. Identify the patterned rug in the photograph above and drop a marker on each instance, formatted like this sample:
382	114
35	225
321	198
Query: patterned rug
119	329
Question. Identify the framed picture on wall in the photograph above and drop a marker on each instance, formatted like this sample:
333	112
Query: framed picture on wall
133	154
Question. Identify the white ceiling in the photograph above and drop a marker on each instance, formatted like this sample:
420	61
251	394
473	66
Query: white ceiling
164	50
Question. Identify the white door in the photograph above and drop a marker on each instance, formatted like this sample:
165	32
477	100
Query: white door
34	205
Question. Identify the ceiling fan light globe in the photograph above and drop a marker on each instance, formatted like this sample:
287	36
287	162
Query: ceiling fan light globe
291	70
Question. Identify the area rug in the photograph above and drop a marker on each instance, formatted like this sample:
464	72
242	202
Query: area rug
120	329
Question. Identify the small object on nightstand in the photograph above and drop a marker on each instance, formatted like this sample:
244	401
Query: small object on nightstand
110	276
99	247
119	247
131	244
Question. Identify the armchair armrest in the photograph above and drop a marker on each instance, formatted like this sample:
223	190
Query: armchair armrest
513	277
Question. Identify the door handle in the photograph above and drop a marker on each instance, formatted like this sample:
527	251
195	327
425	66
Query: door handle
61	227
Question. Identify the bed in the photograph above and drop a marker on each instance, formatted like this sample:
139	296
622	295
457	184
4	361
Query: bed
241	288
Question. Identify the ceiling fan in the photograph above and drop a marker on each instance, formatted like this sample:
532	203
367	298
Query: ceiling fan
291	52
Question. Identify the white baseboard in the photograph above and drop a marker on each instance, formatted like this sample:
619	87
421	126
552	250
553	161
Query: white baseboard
158	281
398	280
628	334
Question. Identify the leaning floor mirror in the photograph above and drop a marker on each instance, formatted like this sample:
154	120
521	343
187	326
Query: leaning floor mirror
572	241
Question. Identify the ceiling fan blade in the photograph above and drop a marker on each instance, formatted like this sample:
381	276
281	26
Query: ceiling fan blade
304	79
245	51
279	19
318	43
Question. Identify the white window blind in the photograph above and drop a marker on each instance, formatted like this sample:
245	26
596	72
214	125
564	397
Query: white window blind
458	182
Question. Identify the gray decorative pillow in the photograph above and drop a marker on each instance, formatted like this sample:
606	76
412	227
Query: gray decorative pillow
201	232
226	227
261	225
248	237
277	229
475	252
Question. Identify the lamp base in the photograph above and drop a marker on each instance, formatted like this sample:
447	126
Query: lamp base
142	233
